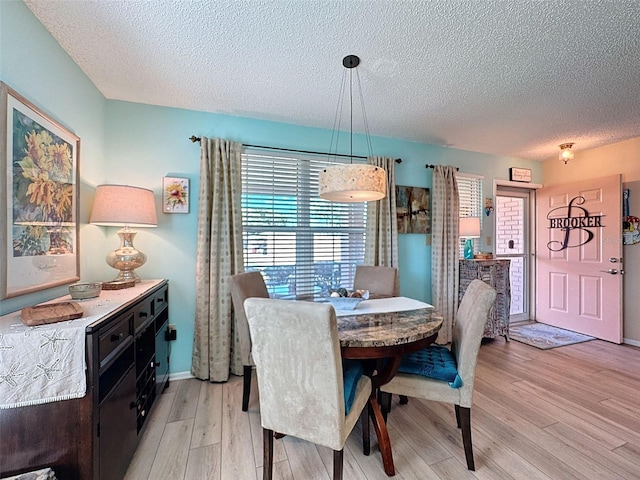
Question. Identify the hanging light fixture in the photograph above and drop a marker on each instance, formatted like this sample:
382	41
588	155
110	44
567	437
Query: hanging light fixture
565	152
352	182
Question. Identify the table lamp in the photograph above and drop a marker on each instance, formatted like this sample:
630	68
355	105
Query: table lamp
124	206
469	228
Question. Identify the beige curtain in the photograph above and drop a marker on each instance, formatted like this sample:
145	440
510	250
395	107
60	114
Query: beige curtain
381	248
444	247
216	348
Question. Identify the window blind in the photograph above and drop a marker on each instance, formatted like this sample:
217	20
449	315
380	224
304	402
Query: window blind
470	197
302	244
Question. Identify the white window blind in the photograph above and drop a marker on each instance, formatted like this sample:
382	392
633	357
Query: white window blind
301	243
470	196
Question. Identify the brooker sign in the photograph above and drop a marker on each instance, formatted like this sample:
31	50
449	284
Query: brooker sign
577	218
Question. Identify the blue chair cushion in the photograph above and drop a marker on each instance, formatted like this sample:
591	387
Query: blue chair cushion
434	361
352	370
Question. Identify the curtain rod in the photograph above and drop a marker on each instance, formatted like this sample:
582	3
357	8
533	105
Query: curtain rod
195	139
433	166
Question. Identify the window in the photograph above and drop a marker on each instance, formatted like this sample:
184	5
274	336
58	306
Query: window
301	243
470	196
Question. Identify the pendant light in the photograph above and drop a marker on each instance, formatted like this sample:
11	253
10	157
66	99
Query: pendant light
352	182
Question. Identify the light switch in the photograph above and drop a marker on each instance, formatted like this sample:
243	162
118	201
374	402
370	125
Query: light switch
488	241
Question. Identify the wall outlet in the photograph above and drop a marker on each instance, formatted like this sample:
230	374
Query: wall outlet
488	242
171	333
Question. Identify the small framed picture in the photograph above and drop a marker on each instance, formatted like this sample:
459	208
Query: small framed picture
175	195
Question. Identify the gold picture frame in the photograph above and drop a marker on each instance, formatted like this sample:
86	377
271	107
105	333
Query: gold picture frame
39	206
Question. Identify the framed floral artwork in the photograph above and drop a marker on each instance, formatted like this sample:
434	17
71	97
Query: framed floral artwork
175	197
39	205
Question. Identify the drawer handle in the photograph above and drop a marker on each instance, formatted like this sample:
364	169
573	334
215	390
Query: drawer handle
143	314
160	300
117	337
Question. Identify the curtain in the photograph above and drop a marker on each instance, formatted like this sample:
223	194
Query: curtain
381	247
216	347
444	247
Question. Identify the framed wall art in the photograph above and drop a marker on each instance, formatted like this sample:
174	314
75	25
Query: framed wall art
412	209
39	202
175	196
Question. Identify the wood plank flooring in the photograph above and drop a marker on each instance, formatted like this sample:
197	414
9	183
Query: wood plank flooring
567	413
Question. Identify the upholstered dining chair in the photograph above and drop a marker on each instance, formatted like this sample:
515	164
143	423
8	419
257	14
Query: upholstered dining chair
243	286
380	281
454	370
304	391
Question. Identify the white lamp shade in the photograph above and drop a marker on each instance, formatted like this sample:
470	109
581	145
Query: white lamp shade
566	155
352	183
469	227
123	205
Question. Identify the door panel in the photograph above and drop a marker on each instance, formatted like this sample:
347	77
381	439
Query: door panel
578	231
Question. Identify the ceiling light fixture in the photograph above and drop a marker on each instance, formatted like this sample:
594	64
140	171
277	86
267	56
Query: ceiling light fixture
352	182
565	152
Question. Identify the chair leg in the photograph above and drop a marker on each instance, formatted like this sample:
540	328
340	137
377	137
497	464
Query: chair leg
337	464
465	423
457	408
366	433
385	404
404	399
246	387
267	461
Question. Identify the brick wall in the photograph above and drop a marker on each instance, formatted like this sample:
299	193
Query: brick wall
510	240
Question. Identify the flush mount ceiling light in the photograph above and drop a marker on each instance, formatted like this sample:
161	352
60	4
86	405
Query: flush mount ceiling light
352	182
565	152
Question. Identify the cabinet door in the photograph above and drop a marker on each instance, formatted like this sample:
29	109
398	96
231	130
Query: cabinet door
118	436
162	357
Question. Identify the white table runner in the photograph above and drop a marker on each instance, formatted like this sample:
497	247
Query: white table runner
383	305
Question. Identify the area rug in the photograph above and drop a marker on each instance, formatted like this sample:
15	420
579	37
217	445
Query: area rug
544	336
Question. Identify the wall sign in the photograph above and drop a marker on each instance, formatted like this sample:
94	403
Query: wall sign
577	218
520	174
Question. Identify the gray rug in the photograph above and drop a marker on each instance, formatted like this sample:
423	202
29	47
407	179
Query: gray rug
544	336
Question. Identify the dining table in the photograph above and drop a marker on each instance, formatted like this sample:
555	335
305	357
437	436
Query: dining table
379	332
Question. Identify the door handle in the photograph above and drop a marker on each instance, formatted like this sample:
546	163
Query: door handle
611	271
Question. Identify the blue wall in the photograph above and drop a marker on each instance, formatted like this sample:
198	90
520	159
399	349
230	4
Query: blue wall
139	144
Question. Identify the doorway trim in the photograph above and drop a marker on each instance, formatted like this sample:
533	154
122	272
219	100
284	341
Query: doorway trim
530	190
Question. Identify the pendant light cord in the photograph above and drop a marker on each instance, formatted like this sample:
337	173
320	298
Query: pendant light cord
351	109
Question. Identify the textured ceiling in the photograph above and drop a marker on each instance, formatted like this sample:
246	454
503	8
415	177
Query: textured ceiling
514	78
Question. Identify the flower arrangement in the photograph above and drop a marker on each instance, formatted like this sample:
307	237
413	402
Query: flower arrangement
43	190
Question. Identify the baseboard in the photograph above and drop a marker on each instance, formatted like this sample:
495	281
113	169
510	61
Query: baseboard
628	341
180	376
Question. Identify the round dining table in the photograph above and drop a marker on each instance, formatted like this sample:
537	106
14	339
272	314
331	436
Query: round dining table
380	332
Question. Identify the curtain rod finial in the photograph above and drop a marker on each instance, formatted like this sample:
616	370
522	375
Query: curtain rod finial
194	139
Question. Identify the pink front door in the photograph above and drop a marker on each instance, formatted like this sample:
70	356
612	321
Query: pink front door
579	257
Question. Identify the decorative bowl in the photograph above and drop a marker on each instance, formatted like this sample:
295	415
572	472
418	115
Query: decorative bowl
82	291
348	303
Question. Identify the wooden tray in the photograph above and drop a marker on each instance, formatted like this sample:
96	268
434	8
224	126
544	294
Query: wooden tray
51	313
119	285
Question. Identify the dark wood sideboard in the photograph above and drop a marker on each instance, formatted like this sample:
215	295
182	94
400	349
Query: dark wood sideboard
94	437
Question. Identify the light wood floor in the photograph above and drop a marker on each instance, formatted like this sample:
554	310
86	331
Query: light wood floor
567	413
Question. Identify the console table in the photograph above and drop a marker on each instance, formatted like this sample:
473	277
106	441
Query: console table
494	273
127	365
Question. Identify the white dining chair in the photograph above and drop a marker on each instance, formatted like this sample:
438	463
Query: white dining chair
304	391
243	286
380	281
455	373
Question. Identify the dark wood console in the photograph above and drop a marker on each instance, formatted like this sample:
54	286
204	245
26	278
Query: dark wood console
94	437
